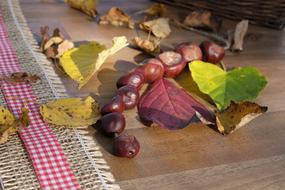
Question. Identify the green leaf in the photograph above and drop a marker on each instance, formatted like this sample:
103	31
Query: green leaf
237	85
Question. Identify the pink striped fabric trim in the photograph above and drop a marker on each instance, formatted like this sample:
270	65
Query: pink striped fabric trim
50	164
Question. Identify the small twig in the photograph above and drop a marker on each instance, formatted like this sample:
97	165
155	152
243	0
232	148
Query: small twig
226	43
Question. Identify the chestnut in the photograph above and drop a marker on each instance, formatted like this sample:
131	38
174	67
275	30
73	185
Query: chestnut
173	63
133	78
126	146
189	51
113	123
153	70
212	53
130	96
115	105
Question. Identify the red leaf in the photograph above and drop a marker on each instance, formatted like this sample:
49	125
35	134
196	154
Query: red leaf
171	107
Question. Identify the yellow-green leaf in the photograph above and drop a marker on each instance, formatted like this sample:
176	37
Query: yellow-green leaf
73	112
240	84
83	62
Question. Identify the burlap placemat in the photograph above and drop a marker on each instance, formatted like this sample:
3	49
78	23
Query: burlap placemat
84	156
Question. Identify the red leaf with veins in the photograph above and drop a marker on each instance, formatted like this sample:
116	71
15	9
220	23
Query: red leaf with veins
171	107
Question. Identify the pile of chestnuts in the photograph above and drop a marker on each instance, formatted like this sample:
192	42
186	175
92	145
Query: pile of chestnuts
167	64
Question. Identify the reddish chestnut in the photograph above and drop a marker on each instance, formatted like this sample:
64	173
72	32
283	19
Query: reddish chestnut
173	63
126	146
212	52
130	96
115	105
153	70
133	78
189	51
113	123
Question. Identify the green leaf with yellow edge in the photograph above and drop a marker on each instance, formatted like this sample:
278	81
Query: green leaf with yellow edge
238	115
83	62
71	112
240	84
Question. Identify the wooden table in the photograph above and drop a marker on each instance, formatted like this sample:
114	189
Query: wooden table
196	157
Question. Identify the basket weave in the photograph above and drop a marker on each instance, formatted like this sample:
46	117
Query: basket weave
266	12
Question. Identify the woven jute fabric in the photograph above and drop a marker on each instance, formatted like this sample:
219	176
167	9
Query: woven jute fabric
84	156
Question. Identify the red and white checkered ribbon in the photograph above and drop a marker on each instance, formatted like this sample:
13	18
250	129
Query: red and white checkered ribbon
50	164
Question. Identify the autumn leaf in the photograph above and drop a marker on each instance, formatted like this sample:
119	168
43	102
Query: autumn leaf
147	45
71	112
239	34
159	27
156	9
238	85
117	17
17	77
9	124
198	19
86	6
171	107
54	47
83	62
237	115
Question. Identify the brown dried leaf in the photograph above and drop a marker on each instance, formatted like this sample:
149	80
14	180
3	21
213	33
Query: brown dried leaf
239	34
147	45
159	27
22	77
51	52
117	17
238	115
53	41
156	9
45	36
55	46
63	47
198	19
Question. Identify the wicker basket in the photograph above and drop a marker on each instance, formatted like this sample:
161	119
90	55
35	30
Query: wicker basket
270	13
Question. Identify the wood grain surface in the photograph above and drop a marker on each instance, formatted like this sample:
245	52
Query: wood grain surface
196	157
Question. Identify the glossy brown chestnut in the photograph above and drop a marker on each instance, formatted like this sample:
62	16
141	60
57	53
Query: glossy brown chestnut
153	70
130	96
189	51
113	123
212	53
115	105
173	63
133	78
126	146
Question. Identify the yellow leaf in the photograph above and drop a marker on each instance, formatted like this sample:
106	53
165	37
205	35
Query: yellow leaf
6	132
6	117
73	112
9	125
81	63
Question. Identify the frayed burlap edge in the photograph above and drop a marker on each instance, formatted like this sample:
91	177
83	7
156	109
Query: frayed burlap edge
84	155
